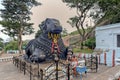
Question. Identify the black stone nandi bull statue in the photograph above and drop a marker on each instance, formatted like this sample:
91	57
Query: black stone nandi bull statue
41	48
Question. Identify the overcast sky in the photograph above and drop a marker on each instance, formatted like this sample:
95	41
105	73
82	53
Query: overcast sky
52	9
49	9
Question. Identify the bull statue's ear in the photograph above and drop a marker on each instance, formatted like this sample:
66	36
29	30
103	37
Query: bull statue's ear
41	26
47	19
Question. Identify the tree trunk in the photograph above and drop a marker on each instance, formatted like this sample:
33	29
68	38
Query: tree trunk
81	44
82	40
20	42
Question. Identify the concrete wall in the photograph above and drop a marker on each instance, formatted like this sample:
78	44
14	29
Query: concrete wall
106	39
106	36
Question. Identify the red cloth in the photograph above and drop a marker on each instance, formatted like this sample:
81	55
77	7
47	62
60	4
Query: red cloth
53	44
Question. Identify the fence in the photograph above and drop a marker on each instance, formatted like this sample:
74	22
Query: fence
4	59
105	58
43	71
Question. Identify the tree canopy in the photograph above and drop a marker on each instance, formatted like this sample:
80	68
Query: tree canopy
38	33
1	44
9	45
111	10
100	11
16	18
84	9
64	32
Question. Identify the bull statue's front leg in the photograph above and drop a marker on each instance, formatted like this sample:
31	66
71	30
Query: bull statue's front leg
37	56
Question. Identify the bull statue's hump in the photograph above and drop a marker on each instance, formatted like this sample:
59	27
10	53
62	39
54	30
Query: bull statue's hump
40	49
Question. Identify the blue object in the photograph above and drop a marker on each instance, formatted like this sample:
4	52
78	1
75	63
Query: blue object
81	70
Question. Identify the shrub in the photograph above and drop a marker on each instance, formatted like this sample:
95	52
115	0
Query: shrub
90	43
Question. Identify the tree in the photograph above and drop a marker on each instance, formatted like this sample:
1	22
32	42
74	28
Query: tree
83	8
24	44
40	30
90	43
16	17
111	10
64	32
9	45
1	40
38	33
1	44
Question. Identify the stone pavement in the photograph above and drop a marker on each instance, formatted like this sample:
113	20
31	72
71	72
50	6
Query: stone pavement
104	73
92	75
9	72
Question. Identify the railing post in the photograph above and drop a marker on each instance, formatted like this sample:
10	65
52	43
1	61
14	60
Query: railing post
68	71
38	71
96	63
17	61
30	72
119	78
41	71
105	58
91	61
84	56
20	64
24	68
13	60
113	58
99	59
56	62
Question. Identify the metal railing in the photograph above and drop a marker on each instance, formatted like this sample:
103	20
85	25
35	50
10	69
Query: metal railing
36	72
5	59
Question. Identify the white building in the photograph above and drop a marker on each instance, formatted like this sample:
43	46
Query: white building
108	36
107	40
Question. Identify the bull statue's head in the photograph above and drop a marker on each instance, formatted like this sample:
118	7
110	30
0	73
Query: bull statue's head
51	27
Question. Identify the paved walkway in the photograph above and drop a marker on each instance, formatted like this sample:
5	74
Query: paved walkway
108	74
9	72
104	73
92	75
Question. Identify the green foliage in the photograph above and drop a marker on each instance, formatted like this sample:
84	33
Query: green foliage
101	11
90	43
38	33
83	11
111	9
64	32
11	46
16	18
78	50
1	40
1	44
24	44
74	33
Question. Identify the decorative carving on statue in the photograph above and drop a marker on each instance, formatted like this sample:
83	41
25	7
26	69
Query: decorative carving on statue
40	49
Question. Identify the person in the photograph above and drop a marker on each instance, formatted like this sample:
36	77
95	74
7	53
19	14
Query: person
74	64
69	54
